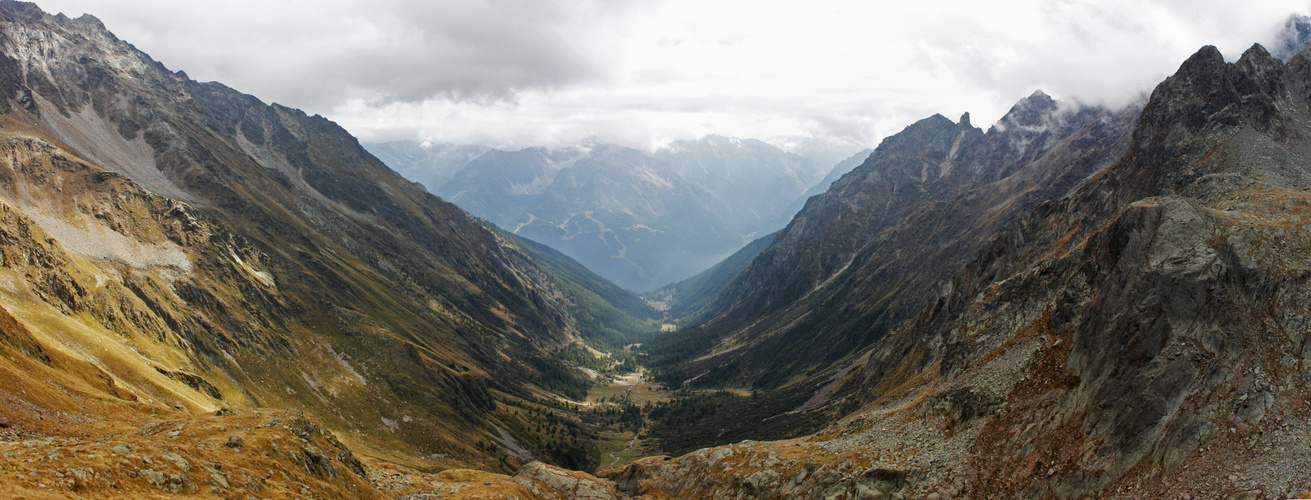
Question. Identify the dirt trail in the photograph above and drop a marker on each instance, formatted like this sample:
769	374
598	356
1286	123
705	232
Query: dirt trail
627	395
631	443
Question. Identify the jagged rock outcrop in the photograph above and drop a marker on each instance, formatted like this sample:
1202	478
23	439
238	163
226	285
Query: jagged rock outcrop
552	482
1140	337
884	241
1159	297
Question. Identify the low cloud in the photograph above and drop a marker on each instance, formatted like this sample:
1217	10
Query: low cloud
319	54
1107	52
550	72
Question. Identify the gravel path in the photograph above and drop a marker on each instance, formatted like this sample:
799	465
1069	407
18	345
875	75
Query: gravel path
627	395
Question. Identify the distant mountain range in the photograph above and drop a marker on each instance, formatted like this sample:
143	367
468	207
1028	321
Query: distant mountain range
431	165
641	219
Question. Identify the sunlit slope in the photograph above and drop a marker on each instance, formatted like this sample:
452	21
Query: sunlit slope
204	249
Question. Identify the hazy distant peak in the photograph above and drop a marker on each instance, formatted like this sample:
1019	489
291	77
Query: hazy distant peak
823	150
1032	111
713	141
719	139
1292	37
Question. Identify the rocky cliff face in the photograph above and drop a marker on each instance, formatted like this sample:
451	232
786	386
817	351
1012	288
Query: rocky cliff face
884	241
839	169
1140	337
1163	293
192	248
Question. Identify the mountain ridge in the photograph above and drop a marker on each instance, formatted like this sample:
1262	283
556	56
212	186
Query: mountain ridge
307	274
1129	337
867	206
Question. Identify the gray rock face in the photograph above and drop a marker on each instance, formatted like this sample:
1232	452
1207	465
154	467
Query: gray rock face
750	470
1130	336
839	169
177	460
885	239
546	481
1162	291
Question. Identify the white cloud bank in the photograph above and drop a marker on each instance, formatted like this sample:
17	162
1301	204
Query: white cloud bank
549	72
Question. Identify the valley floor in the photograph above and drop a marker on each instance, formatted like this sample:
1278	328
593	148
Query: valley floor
624	445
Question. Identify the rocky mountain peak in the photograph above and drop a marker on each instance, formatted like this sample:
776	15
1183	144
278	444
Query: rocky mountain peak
918	132
1261	72
26	11
1033	111
875	246
1208	98
1030	129
1142	308
1203	68
89	23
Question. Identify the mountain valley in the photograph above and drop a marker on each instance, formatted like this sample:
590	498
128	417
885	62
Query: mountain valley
203	295
640	219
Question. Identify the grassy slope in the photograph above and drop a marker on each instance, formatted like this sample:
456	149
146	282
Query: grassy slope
317	278
607	315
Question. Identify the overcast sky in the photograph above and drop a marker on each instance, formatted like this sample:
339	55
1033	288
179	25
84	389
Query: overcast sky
643	72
